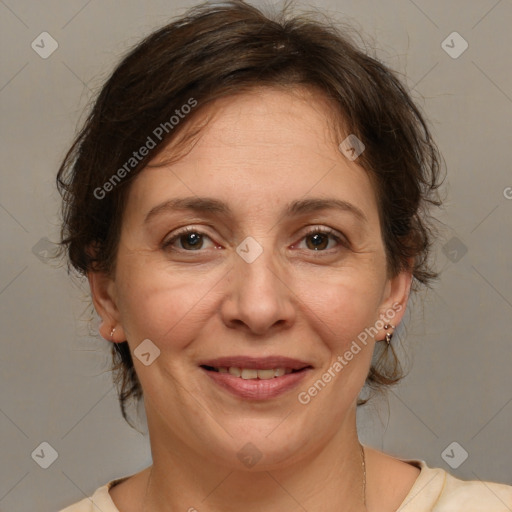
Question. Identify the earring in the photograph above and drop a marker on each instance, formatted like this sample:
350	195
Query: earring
389	335
112	333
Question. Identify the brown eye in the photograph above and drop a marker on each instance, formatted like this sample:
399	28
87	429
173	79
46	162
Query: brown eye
189	240
318	239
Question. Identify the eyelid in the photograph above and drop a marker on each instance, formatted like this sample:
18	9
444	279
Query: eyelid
183	231
338	236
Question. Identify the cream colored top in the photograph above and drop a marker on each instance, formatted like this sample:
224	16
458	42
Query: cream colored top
435	490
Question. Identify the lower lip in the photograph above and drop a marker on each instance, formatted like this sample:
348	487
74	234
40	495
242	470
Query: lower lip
257	389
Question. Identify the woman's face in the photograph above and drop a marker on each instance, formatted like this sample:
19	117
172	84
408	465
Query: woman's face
283	258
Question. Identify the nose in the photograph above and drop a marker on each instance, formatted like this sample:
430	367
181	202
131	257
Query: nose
260	298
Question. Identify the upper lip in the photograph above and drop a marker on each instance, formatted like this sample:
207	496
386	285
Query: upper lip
255	362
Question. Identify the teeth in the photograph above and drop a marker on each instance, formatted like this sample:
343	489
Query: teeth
250	373
266	374
234	371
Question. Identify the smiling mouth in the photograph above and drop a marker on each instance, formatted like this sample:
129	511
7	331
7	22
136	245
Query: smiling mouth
253	373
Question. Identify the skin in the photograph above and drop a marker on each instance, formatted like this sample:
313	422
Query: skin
259	152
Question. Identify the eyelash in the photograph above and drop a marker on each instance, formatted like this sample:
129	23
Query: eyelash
315	230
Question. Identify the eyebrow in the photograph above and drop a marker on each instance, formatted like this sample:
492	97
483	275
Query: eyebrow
214	206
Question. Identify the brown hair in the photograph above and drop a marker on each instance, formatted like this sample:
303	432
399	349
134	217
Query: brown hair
217	50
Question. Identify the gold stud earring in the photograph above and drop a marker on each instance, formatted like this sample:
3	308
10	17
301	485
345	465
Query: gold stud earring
112	333
389	335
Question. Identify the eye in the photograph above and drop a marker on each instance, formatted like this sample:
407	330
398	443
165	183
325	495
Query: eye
190	239
318	238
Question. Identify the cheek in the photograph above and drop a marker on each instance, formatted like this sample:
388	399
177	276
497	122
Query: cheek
342	308
162	306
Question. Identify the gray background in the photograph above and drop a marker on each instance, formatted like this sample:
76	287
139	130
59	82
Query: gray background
55	384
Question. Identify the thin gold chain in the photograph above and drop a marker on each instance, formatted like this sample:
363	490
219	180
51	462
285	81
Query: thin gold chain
364	475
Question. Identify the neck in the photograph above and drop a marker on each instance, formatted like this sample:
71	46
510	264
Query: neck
328	478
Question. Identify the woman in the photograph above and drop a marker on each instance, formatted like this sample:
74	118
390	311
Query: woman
249	201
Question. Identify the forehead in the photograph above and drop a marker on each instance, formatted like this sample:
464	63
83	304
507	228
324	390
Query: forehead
262	147
271	116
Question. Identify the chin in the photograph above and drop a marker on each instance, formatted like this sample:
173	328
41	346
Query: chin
266	446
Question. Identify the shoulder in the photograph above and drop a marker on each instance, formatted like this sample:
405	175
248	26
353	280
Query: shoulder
100	500
436	490
476	495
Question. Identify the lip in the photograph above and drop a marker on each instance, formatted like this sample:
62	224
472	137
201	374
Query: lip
257	389
255	363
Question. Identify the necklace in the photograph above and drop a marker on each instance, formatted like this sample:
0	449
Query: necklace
363	464
364	475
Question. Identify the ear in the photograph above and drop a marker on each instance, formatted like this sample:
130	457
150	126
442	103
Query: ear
103	291
395	297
